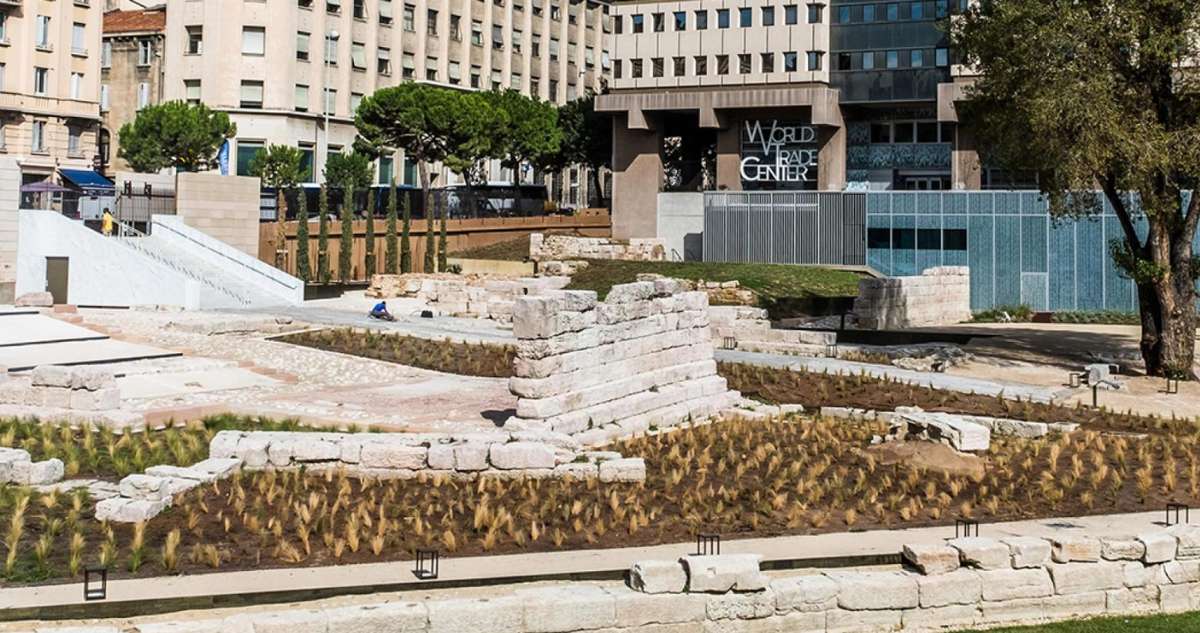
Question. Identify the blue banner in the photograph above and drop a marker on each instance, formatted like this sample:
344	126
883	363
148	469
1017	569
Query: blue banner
223	158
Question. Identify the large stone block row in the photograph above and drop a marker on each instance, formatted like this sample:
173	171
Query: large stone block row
938	296
18	467
75	388
476	296
642	358
405	455
547	248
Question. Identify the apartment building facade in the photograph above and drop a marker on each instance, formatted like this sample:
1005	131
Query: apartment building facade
49	88
283	68
789	95
131	71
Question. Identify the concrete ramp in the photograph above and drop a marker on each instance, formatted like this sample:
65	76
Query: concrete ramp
29	340
34	329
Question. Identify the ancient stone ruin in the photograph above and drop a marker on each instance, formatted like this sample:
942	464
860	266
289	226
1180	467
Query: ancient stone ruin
938	296
546	248
642	358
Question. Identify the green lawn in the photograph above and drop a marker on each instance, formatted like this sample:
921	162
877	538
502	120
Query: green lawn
1148	624
510	250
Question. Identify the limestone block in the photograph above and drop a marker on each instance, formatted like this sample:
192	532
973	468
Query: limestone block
384	453
291	621
84	400
305	449
122	510
34	300
1015	584
741	606
54	397
1075	605
875	590
959	587
139	486
804	593
643	610
252	450
1189	540
13	461
1182	571
1137	574
218	467
224	444
568	608
1177	598
722	573
92	378
1122	548
1027	551
658	576
932	559
177	472
1160	547
854	621
37	473
521	455
790	623
982	553
51	376
1071	548
483	615
212	625
627	469
1015	611
441	457
1132	601
1071	578
388	617
957	616
628	293
577	470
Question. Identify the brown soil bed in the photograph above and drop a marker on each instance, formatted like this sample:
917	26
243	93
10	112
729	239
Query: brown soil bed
740	479
438	355
815	390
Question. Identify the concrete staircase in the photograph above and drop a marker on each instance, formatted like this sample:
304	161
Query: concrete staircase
237	293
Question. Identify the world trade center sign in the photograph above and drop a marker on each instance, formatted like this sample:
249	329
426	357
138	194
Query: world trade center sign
778	155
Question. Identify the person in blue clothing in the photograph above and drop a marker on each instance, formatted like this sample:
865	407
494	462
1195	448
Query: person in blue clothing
380	311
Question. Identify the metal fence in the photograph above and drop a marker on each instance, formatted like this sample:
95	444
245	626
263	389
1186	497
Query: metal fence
136	205
816	228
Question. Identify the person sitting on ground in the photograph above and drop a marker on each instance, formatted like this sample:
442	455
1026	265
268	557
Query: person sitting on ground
380	311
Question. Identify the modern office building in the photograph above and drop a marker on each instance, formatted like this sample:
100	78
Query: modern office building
131	71
49	89
269	63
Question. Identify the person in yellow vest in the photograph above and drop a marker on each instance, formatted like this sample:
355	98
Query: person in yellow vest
106	223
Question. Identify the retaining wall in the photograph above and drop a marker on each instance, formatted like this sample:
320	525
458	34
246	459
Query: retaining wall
545	248
938	296
642	358
476	296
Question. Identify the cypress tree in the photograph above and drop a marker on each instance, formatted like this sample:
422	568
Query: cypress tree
430	251
303	269
405	246
391	262
346	246
323	273
369	252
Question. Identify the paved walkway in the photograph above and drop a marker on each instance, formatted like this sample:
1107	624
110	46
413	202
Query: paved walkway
944	382
520	567
407	322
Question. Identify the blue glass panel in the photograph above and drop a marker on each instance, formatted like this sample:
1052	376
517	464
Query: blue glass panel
1062	265
979	255
1033	244
1090	258
1008	260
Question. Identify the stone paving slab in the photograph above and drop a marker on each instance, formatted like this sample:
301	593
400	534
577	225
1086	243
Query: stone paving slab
877	542
77	353
31	329
162	385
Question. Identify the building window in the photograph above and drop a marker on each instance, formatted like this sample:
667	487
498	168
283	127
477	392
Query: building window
535	45
702	20
42	34
767	63
355	100
360	9
408	65
902	132
700	63
145	52
191	90
789	62
143	95
929	240
868	61
679	66
893	12
904	239
251	94
254	40
657	21
41	81
617	69
331	52
497	81
656	67
302	45
476	33
722	64
745	64
195	40
554	49
456	28
639	24
916	58
722	18
79	38
3	26
431	70
358	56
301	103
868	13
635	69
555	12
385	170
105	54
431	22
954	239
879	238
383	64
76	85
618	24
39	136
385	12
745	17
497	37
104	97
917	11
476	77
246	151
330	101
768	16
791	14
333	6
816	13
554	89
681	20
410	18
455	73
306	162
942	57
843	15
518	40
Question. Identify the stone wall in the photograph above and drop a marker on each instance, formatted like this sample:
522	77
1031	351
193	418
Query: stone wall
224	207
477	296
748	329
406	455
546	248
938	296
642	358
958	584
81	388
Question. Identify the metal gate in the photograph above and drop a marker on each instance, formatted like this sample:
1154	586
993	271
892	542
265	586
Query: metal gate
798	227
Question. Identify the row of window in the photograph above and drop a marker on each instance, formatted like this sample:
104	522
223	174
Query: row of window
896	11
41	81
145	53
247	149
385	13
912	132
699	17
875	60
721	64
920	239
43	36
37	138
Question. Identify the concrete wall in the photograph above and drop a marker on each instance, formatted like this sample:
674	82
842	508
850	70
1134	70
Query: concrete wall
938	296
224	207
103	271
637	179
10	186
681	225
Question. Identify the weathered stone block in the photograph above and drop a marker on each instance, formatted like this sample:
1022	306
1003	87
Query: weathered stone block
37	473
1075	605
875	590
1015	584
1071	578
982	553
1160	547
932	559
138	486
1189	540
294	621
958	587
1137	600
385	454
1028	551
1122	548
122	510
483	615
1071	548
957	616
741	606
804	593
847	621
658	576
51	376
628	469
722	573
640	610
388	617
1177	598
569	608
1181	572
522	455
